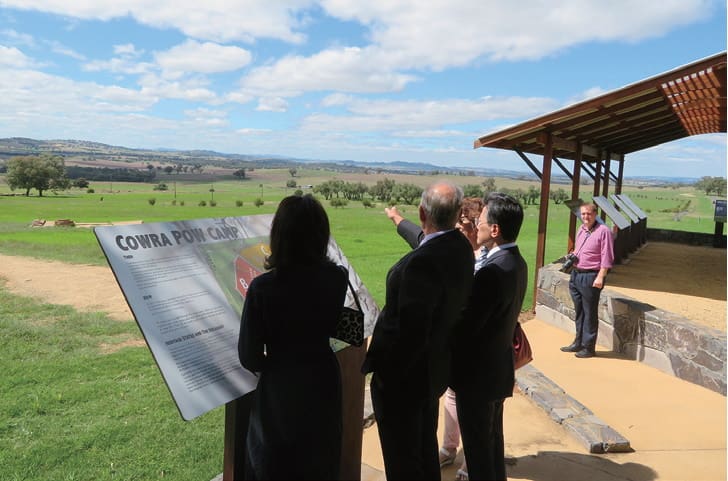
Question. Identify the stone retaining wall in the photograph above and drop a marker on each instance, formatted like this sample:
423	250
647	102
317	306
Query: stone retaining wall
661	339
688	238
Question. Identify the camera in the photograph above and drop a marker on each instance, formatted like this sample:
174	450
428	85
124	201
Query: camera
568	264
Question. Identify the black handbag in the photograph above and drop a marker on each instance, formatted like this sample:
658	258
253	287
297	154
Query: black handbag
350	328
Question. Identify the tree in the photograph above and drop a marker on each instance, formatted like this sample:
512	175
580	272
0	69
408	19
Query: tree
37	172
472	190
292	171
240	173
533	194
81	183
382	190
489	186
408	193
558	196
711	185
291	183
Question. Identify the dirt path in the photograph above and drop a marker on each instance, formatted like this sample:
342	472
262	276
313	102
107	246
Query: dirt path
690	281
87	288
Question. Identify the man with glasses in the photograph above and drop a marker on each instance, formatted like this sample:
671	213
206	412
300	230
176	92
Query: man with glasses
483	371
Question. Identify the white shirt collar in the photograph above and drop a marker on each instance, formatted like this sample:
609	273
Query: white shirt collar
429	237
500	247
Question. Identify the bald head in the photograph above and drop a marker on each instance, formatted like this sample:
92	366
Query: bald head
440	206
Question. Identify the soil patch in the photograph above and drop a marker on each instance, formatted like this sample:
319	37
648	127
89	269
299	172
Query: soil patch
86	288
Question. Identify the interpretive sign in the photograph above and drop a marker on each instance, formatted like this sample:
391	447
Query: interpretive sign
720	211
634	207
186	282
611	212
624	208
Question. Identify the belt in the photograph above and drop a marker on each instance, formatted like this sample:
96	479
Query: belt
585	271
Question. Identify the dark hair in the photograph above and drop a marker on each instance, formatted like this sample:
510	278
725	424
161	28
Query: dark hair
299	234
442	201
505	211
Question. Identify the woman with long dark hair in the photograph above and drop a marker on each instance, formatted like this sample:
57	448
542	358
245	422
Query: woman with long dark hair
289	314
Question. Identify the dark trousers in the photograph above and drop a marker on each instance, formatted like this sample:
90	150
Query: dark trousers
407	432
586	308
481	428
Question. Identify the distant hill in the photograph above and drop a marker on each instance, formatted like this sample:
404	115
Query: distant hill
95	151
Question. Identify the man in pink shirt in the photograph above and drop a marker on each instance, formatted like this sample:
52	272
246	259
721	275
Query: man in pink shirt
594	249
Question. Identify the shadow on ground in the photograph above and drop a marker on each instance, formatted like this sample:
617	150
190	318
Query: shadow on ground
566	466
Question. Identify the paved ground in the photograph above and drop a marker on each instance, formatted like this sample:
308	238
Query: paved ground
677	429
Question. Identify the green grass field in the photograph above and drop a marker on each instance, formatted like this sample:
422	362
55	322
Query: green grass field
74	410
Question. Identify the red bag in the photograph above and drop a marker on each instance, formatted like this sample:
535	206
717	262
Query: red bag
522	353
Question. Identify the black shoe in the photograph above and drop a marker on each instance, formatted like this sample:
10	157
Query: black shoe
573	347
584	353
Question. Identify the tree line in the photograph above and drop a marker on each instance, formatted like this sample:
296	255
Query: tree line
48	172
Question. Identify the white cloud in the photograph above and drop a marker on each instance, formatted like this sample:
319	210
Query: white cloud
405	116
429	134
249	131
127	50
16	38
207	57
37	93
120	65
349	69
213	118
442	33
61	49
14	58
220	20
272	104
587	94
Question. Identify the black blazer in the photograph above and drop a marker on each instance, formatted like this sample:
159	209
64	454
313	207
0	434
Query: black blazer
410	232
483	340
426	293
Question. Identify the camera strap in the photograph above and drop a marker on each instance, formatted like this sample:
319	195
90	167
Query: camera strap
586	238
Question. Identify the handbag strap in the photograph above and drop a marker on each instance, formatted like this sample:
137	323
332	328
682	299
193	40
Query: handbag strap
353	292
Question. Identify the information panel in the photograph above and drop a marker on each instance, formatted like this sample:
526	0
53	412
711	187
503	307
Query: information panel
624	208
604	204
720	211
634	207
186	282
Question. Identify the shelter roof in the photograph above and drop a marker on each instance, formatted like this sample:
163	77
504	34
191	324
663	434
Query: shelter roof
686	101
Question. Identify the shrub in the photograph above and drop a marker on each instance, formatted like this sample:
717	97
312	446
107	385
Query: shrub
338	202
182	203
152	201
161	186
258	202
298	192
174	201
213	203
238	203
202	203
367	203
90	191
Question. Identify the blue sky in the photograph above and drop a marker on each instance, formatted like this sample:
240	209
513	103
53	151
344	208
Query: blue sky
375	80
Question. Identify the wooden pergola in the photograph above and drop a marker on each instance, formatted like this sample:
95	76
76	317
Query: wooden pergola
598	133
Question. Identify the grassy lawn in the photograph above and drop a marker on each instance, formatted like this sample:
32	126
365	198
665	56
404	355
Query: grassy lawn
74	408
73	411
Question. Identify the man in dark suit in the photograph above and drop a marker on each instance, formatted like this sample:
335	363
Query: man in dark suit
409	354
483	373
